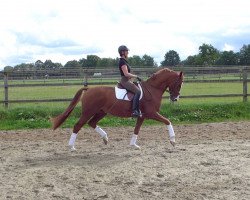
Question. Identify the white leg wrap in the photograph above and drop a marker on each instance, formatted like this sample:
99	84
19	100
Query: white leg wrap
133	142
133	139
100	131
72	139
171	132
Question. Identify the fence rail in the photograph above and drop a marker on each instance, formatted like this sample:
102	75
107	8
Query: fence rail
88	77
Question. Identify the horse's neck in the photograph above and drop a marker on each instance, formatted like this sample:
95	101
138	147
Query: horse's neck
160	81
158	84
154	90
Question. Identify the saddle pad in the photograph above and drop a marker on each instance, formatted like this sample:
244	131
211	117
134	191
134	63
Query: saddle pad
123	93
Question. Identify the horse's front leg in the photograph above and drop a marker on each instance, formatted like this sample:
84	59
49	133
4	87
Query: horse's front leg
157	116
136	132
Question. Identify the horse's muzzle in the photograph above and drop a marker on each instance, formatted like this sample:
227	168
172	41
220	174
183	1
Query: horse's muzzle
175	98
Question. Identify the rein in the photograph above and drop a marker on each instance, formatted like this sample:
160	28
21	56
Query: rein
144	87
173	86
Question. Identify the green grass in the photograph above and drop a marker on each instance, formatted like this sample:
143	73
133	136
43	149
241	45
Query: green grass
28	117
53	92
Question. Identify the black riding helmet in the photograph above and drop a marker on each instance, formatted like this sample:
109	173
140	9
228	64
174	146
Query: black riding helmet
122	48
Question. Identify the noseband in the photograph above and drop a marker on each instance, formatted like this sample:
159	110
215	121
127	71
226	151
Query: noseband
174	85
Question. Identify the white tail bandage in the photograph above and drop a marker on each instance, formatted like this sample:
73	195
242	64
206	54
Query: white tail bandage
100	131
72	139
171	132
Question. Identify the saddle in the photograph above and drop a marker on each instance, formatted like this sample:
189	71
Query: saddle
123	94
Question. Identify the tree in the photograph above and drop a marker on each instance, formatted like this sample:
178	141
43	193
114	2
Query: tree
135	61
148	61
38	64
8	69
24	67
227	58
58	65
244	55
83	62
190	60
208	54
193	60
106	62
48	64
92	61
72	64
172	58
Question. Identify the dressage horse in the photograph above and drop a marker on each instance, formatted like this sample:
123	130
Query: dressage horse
97	102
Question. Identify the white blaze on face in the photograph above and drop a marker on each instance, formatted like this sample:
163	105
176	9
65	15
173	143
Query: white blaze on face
177	98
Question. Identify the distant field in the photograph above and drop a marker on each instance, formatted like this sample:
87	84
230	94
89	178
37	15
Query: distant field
68	91
186	110
188	89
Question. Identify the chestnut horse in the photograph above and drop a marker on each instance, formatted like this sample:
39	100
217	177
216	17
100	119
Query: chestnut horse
97	102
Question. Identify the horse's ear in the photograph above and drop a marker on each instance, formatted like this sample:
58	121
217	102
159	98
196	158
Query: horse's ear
181	74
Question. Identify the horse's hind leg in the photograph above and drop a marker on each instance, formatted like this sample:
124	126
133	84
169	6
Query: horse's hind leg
136	132
93	123
83	120
96	118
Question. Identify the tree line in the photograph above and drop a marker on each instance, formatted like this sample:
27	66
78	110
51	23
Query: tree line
207	56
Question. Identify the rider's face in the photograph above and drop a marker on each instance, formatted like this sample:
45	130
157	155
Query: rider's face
126	54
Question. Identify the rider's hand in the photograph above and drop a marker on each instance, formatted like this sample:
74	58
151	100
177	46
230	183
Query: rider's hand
138	78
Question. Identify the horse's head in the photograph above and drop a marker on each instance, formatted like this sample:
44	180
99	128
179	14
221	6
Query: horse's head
167	80
175	86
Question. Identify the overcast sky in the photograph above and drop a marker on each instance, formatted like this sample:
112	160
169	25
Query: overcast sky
63	30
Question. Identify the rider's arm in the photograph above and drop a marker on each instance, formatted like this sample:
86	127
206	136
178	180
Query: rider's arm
126	73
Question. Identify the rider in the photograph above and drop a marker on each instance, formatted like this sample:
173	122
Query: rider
126	82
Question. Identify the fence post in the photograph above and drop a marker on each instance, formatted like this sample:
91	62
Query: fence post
6	92
244	84
85	83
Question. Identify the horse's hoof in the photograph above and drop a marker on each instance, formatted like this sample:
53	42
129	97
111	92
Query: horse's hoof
135	146
105	140
72	148
173	143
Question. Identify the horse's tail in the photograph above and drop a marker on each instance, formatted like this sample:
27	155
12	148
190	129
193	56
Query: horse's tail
58	120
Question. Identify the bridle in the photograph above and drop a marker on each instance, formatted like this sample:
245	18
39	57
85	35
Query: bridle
174	85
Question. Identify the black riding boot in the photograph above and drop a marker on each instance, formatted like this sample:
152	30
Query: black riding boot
135	105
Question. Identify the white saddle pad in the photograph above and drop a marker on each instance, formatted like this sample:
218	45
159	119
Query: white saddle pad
122	93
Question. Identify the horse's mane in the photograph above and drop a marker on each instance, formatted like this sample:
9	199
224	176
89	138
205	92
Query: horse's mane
159	72
160	78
